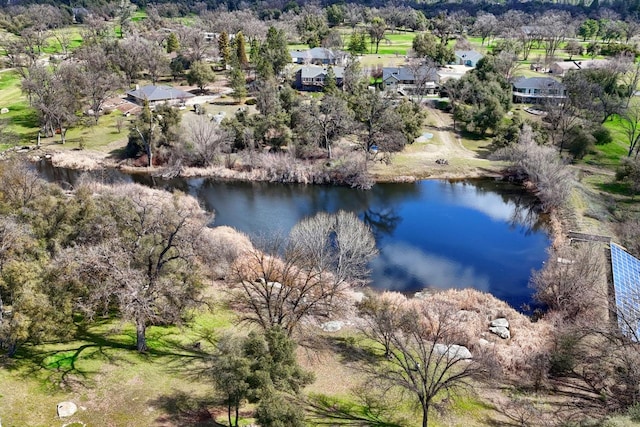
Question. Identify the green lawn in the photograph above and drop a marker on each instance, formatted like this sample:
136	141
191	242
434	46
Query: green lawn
139	15
396	43
609	155
72	33
110	382
21	119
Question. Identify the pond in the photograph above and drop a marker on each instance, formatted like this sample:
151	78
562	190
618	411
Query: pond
431	234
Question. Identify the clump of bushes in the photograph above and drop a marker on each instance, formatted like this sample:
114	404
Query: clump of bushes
541	166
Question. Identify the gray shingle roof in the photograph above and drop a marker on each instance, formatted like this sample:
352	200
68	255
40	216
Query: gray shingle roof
406	74
536	83
317	53
311	71
153	93
468	55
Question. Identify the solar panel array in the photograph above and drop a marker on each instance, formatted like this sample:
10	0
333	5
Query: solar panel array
626	283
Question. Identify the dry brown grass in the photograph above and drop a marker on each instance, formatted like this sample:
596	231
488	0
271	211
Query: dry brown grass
476	309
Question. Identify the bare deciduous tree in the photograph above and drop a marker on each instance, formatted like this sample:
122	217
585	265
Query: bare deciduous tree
572	281
95	78
425	358
207	140
19	184
562	119
128	55
424	72
630	121
19	55
193	45
383	316
305	277
486	26
555	27
327	121
541	166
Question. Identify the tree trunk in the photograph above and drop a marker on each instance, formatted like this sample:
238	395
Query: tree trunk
229	413
149	158
425	416
12	349
141	336
237	413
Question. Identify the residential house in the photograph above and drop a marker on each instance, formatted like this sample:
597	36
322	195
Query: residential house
313	77
467	57
535	90
561	68
317	56
404	79
155	95
77	13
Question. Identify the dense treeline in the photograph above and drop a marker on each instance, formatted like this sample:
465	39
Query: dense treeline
429	7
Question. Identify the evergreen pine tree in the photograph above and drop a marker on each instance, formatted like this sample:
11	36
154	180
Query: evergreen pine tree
330	84
241	50
172	43
239	84
225	50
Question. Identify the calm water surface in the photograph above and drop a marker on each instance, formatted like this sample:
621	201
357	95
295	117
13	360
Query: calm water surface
441	234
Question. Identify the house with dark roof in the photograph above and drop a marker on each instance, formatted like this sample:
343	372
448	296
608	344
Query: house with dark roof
467	57
314	78
155	95
404	79
536	90
317	56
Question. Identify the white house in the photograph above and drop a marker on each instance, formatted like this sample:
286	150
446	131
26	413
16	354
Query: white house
467	57
313	77
404	78
535	90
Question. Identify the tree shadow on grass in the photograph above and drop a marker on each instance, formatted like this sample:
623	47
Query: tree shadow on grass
24	116
352	351
183	410
616	188
118	153
326	410
566	402
66	365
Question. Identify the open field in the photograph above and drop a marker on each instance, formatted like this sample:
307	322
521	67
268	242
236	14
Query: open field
21	119
71	33
113	385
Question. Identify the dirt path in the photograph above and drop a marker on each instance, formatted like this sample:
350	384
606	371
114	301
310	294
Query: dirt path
451	142
418	160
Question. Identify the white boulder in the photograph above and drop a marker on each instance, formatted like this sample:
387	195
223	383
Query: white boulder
500	331
452	351
500	327
332	326
66	409
500	322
